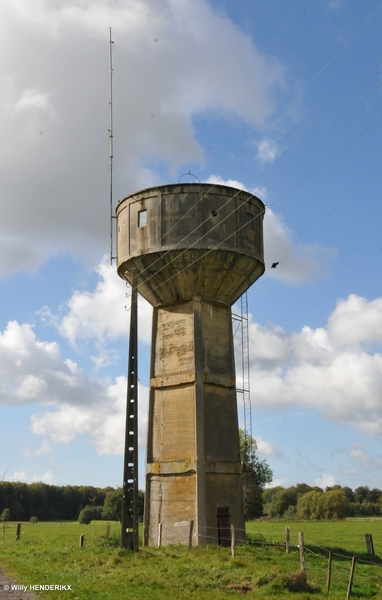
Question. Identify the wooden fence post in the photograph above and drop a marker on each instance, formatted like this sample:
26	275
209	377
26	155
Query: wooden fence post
302	553
190	534
287	540
328	580
108	530
82	539
3	530
159	534
18	529
351	578
233	541
369	544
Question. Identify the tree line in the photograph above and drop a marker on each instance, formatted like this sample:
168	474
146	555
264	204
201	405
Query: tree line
302	501
22	501
49	502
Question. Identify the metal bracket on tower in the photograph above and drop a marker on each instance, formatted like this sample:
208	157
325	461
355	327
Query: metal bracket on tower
129	519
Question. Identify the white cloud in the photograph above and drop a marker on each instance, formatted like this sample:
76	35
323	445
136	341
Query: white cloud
298	263
267	150
46	477
18	476
103	314
356	320
32	99
33	370
325	481
279	482
216	179
266	449
44	449
54	110
104	424
314	369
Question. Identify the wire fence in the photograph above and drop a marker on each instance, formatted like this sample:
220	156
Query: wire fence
320	568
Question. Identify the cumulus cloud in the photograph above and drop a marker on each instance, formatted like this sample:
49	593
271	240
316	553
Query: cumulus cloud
266	449
103	313
34	370
216	179
54	110
356	320
326	480
22	476
298	262
279	482
318	369
267	150
103	423
100	316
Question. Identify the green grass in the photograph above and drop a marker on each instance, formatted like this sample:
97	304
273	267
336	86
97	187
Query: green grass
348	535
49	553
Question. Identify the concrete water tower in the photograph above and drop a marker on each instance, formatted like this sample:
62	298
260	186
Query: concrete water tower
195	249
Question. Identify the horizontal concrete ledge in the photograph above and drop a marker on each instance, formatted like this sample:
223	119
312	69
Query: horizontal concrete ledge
182	467
178	467
218	466
221	380
172	380
186	378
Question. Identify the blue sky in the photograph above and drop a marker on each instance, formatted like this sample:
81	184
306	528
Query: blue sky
278	97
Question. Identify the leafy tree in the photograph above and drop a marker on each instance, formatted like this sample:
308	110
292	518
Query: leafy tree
335	505
33	520
112	507
302	488
5	515
282	500
348	493
90	513
374	495
269	493
309	505
256	474
360	493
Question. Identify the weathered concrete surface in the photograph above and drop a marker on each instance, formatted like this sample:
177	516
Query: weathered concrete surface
198	252
195	243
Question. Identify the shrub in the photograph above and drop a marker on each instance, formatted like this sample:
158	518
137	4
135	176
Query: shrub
89	513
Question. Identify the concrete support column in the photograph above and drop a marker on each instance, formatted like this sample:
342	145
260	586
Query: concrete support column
193	460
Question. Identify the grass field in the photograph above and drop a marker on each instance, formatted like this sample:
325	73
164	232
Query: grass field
49	554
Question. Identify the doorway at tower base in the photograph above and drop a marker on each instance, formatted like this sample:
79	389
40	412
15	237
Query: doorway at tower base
175	521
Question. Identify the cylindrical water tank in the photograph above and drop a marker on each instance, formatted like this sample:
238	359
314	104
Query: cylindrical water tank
189	240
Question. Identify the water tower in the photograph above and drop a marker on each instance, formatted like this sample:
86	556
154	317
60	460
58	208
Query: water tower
195	249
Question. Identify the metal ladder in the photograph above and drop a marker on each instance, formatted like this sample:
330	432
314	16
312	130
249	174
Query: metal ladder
242	320
245	365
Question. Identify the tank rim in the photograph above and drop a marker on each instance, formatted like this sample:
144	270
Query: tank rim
191	184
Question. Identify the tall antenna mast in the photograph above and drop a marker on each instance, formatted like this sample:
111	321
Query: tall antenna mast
111	144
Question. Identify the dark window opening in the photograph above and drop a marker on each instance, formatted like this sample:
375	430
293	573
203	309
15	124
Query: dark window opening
142	218
214	213
251	220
